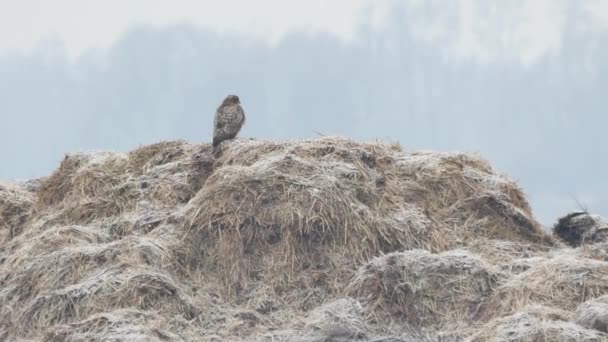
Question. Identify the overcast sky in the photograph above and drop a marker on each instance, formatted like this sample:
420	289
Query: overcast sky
522	82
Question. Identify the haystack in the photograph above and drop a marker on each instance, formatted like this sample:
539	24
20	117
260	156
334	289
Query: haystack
536	324
308	212
424	288
581	228
166	242
563	282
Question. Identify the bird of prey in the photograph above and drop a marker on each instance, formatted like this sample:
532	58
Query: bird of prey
228	121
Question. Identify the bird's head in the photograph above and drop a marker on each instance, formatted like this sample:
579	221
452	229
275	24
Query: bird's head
231	99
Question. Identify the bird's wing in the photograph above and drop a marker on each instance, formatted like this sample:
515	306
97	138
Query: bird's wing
216	117
241	114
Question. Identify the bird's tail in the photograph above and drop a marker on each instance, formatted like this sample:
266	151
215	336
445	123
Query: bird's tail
216	145
216	141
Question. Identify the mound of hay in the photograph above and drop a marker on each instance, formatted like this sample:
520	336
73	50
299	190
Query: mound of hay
69	274
91	186
273	210
537	324
425	288
593	314
581	228
168	243
561	282
16	207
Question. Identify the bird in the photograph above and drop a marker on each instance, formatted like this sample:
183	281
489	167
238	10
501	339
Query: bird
228	121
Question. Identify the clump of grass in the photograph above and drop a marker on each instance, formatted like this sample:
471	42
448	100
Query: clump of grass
536	324
16	208
563	282
92	186
593	314
425	289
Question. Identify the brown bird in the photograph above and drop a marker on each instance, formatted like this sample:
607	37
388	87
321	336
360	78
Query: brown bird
228	121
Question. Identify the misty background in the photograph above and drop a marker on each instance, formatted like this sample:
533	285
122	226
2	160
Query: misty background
525	87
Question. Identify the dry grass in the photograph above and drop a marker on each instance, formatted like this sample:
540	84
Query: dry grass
506	251
118	325
343	319
92	186
511	257
16	207
69	274
166	243
425	288
100	238
536	324
563	282
598	251
271	211
593	314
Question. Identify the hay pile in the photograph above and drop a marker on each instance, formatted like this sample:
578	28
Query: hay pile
303	215
425	289
316	240
93	186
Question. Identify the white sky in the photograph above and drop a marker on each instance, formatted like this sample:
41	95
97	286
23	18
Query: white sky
523	30
82	24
